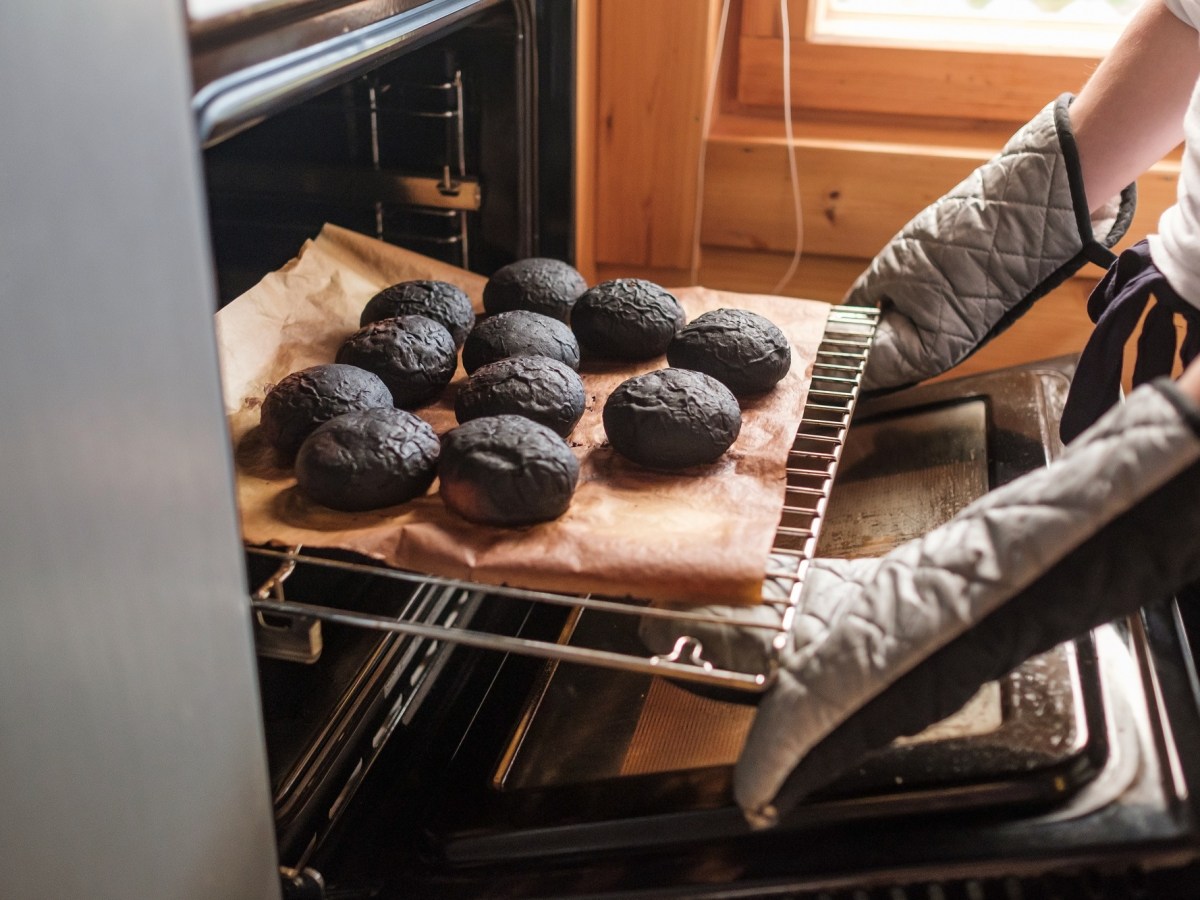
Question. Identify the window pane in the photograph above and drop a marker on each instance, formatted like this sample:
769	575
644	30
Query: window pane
1067	27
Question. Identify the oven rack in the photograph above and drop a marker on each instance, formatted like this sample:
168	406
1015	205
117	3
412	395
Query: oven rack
812	465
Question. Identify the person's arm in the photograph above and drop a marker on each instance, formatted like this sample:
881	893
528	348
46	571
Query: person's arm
974	261
1189	382
1130	112
884	647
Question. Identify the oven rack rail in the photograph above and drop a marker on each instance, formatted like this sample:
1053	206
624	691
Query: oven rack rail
811	468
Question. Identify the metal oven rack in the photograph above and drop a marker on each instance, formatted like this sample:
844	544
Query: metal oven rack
812	464
390	157
436	207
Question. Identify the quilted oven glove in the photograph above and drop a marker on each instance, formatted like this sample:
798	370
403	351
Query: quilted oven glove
884	647
971	263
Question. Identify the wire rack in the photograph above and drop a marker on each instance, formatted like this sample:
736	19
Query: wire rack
811	467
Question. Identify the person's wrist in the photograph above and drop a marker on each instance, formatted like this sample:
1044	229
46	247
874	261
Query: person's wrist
1189	382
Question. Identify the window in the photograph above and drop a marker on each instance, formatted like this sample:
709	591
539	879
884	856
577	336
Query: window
927	58
1063	27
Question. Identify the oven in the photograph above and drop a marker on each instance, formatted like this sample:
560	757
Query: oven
186	716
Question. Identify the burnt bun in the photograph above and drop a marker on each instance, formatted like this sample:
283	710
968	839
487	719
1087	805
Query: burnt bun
519	333
438	300
744	351
506	470
368	459
542	389
414	355
538	284
305	399
672	419
627	318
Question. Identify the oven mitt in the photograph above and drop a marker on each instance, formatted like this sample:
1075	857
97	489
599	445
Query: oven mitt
971	263
884	647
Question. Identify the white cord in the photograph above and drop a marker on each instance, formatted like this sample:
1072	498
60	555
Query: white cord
709	97
791	149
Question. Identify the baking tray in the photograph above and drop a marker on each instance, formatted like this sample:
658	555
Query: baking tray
810	473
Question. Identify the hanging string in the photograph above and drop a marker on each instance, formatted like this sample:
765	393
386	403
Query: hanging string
706	126
791	149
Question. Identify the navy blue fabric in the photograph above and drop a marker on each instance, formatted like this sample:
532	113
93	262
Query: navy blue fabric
1116	306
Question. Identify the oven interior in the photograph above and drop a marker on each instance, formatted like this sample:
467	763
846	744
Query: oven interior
404	762
459	149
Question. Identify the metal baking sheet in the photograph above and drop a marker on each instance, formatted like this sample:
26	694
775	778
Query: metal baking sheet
904	474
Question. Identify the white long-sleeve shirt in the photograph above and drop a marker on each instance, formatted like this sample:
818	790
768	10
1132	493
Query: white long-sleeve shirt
1175	249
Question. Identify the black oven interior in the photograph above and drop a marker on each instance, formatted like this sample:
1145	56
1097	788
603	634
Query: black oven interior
407	766
460	149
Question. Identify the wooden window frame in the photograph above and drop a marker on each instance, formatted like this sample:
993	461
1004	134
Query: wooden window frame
845	77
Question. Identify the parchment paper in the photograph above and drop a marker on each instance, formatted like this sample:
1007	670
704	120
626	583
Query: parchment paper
697	536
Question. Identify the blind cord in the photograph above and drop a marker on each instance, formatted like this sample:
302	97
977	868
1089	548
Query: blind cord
791	149
701	159
706	127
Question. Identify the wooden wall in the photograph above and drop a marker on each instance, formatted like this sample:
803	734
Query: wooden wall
877	137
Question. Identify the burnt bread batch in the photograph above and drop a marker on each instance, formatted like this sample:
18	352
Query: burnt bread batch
414	356
545	390
303	400
744	351
507	470
519	332
627	318
540	285
438	300
507	462
672	419
368	459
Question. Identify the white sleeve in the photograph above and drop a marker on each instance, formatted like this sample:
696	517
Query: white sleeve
1175	248
1187	10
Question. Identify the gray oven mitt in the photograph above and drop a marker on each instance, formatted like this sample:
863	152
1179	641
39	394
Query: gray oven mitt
884	647
972	262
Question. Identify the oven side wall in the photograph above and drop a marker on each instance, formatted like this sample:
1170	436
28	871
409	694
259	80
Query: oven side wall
131	752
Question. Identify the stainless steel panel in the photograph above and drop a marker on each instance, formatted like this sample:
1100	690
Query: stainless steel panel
132	760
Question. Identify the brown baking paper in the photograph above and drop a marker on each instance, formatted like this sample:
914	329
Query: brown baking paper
697	536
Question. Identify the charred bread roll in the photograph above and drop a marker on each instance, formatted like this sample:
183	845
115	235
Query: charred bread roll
438	300
368	459
414	355
506	470
305	399
627	318
519	333
672	419
744	351
546	286
537	387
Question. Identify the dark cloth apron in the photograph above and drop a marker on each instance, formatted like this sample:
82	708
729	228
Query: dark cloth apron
1116	305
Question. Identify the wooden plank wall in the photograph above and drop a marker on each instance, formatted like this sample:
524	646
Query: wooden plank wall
649	108
865	165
